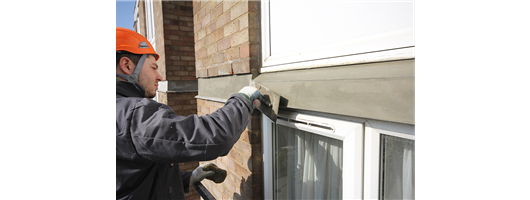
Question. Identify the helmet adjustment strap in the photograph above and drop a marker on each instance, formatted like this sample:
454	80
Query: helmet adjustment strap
133	78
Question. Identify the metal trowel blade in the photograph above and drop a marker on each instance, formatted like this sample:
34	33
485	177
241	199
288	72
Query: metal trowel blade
270	101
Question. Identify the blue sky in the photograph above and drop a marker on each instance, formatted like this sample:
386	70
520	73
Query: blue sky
125	14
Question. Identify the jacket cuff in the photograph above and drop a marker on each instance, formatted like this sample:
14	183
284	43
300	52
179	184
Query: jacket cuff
245	100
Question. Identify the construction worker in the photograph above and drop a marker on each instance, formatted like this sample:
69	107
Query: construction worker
151	139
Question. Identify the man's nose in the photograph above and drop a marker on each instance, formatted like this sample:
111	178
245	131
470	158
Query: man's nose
158	77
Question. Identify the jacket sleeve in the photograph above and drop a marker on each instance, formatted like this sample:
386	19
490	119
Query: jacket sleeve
161	136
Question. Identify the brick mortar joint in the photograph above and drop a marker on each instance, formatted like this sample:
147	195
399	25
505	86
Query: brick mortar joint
231	61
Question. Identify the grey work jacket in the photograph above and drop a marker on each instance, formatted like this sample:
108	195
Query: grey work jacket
151	140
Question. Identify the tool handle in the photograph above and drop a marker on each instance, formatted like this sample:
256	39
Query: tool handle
266	102
205	194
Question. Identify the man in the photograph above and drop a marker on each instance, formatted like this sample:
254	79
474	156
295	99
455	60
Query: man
151	139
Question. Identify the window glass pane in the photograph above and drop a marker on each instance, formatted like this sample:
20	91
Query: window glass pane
307	165
397	168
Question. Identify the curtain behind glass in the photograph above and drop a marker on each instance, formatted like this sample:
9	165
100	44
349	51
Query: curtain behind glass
308	166
397	171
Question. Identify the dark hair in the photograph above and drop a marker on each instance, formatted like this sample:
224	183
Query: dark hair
133	57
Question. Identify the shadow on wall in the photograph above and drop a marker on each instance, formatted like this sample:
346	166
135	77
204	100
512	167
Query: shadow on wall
251	187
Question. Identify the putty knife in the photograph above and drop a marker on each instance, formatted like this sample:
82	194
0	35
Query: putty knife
270	101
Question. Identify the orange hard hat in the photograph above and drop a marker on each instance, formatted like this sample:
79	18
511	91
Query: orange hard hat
128	40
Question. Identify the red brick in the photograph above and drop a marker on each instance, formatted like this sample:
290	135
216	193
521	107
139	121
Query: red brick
187	58
202	73
212	49
244	137
213	71
217	11
212	109
236	156
241	67
211	28
209	6
224	44
228	4
204	109
228	162
225	69
179	43
207	61
202	54
206	20
244	51
171	27
172	77
218	58
230	187
223	19
219	104
239	10
191	77
231	28
200	102
241	171
232	54
240	37
218	34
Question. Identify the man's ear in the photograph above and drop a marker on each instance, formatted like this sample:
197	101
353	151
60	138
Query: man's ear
126	65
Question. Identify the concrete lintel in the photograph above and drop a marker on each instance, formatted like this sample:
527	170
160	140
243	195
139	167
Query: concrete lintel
178	86
382	91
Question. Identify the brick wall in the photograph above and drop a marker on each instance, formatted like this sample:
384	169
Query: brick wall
178	40
243	163
227	43
226	37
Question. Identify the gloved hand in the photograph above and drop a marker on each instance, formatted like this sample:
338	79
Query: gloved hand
209	171
252	94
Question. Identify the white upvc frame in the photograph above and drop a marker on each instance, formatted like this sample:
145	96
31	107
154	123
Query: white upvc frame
387	46
267	128
137	15
372	154
351	133
361	140
150	23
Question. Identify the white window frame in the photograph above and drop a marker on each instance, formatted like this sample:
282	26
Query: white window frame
361	141
150	23
355	51
351	133
137	16
372	154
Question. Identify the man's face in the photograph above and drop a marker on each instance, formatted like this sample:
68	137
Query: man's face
149	77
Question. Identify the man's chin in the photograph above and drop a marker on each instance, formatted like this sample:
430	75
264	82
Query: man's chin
150	96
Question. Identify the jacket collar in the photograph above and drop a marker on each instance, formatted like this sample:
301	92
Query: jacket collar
127	89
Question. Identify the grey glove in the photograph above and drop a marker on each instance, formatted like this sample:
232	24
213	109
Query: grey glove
252	94
209	171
